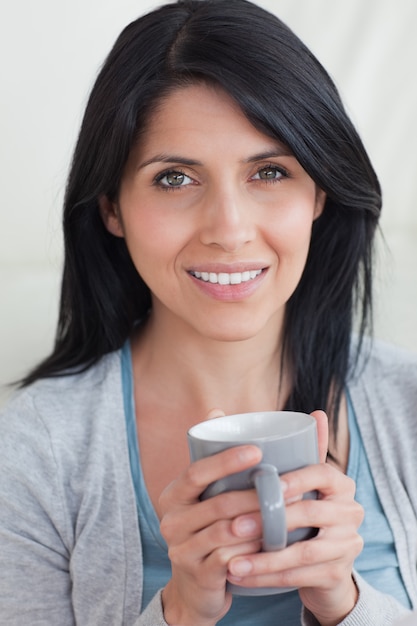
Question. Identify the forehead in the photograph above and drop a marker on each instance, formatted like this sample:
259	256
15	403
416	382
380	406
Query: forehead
200	93
199	114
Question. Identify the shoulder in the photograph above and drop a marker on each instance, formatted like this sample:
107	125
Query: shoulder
64	417
383	388
52	399
385	364
62	439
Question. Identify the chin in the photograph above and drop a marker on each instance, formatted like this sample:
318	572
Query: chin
231	333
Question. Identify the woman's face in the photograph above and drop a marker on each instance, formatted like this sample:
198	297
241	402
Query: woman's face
216	215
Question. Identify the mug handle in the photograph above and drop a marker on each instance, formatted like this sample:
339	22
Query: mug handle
272	505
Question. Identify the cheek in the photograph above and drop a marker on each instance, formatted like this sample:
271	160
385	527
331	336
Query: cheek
154	242
290	229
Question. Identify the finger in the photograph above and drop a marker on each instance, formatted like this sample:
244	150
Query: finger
181	522
322	575
322	424
219	559
243	525
326	479
216	538
325	514
294	565
208	570
196	478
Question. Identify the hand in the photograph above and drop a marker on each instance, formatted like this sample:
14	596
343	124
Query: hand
203	536
321	568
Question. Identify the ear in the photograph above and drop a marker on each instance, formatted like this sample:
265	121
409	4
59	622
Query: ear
320	202
110	215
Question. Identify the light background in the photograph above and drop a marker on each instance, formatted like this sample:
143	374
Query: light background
50	52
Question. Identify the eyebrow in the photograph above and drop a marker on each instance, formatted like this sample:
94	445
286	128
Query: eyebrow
176	158
169	158
262	156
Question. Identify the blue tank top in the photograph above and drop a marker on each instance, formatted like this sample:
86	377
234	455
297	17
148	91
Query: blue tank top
264	610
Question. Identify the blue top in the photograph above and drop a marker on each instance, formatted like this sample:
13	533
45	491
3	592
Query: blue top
379	544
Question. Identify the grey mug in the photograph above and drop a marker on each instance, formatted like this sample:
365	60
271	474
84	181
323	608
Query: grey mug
288	441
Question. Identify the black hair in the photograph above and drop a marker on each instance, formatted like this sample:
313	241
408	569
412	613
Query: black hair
286	93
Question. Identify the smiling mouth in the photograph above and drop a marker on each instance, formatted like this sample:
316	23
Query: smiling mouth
223	278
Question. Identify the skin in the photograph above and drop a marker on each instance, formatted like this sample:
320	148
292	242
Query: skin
204	191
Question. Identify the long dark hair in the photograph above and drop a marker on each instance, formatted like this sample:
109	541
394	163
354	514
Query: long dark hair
285	92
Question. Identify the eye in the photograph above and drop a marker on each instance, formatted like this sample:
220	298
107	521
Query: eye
271	173
172	179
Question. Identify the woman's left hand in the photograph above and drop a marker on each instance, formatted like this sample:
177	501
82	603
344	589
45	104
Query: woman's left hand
321	567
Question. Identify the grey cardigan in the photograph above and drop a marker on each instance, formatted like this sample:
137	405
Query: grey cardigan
70	550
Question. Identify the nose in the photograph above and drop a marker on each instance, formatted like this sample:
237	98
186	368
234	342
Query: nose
228	220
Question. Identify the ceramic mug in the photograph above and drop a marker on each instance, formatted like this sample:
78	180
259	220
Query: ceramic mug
288	441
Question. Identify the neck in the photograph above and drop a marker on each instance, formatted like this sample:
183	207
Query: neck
196	374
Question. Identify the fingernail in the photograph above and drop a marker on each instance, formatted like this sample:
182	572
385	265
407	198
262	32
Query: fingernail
215	413
246	527
249	453
293	499
234	579
241	567
284	485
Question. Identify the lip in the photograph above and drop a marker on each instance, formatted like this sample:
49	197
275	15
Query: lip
230	268
230	292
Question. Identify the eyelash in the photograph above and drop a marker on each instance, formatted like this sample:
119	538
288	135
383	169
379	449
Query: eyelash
159	177
278	168
272	166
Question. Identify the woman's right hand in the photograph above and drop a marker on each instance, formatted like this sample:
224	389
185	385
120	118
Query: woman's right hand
203	536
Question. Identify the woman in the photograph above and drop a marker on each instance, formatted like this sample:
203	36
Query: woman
219	222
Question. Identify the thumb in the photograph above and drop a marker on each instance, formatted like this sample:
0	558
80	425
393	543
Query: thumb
322	424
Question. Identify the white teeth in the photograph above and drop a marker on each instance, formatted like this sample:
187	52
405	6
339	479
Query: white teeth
235	278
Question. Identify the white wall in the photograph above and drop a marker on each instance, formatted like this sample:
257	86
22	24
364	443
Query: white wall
49	54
